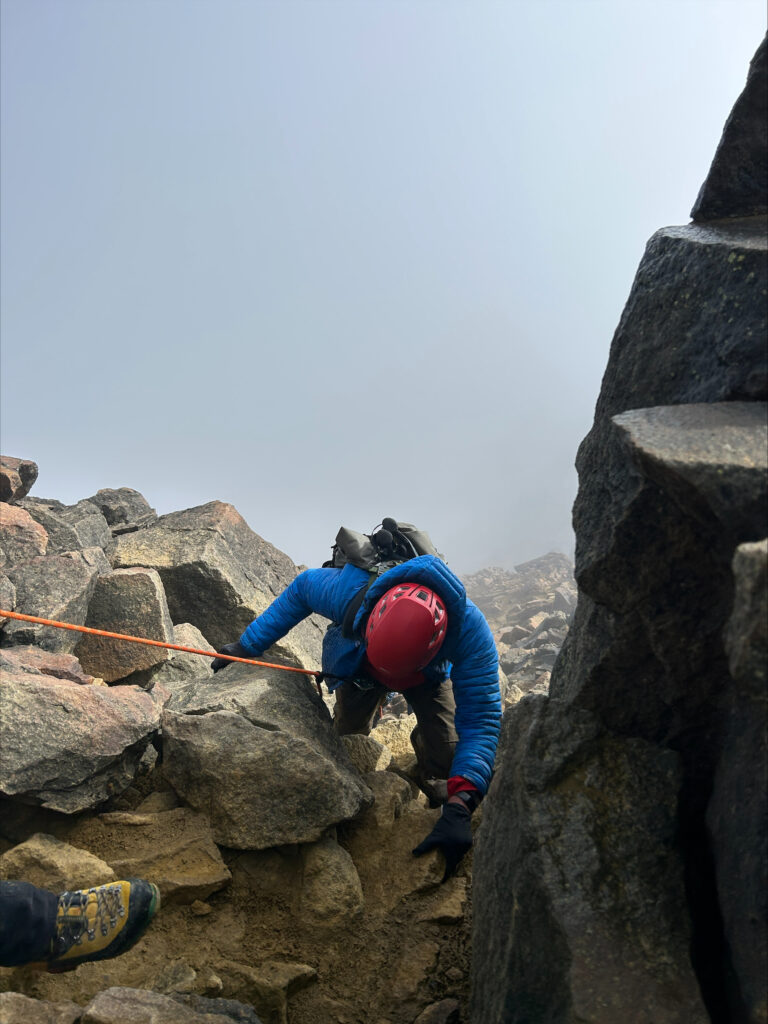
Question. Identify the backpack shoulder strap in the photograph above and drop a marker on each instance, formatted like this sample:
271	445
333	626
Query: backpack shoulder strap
348	622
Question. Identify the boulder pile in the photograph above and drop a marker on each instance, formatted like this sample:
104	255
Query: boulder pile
529	611
620	872
194	578
282	851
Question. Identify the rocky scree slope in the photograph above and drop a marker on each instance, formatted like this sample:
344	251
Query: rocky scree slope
620	873
529	611
283	853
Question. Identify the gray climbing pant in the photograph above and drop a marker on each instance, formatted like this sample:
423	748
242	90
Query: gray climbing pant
433	739
27	923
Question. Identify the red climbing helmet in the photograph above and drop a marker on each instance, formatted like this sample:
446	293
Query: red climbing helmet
405	631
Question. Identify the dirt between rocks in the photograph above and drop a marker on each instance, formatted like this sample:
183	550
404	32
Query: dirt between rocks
408	949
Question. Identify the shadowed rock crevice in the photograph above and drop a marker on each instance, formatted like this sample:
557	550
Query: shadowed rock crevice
710	955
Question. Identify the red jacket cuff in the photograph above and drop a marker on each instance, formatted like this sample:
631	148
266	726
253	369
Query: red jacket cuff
457	784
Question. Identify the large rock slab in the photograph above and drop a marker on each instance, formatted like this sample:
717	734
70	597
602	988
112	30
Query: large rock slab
646	655
710	458
219	575
130	601
36	661
124	509
737	815
16	1008
331	895
737	183
579	902
140	1006
254	750
51	864
16	477
69	747
381	852
51	587
11	671
693	330
70	527
693	487
267	986
21	538
174	849
672	491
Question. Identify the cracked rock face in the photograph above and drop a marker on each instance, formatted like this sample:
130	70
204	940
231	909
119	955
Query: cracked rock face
69	747
737	815
655	600
583	852
620	867
693	331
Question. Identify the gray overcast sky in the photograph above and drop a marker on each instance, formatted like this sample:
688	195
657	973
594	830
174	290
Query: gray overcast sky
336	260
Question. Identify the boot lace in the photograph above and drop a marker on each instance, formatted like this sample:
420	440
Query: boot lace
83	912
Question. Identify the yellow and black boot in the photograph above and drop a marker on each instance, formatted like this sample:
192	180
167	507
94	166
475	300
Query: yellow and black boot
102	922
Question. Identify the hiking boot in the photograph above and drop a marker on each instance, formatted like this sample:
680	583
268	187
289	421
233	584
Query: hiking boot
99	923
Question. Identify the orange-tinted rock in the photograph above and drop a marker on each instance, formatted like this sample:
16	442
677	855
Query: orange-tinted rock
35	660
16	477
21	538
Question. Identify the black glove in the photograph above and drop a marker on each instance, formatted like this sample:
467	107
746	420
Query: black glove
452	834
235	649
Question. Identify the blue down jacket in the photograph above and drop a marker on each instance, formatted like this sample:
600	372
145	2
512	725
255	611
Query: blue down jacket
468	654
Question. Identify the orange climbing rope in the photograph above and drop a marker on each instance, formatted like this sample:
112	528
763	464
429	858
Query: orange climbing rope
151	643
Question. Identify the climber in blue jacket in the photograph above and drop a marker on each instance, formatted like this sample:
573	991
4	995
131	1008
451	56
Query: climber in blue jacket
415	631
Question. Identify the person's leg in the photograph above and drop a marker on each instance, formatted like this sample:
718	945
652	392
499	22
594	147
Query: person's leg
102	922
27	923
356	708
434	738
65	930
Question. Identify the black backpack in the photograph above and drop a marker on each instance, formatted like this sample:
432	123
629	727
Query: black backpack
387	546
